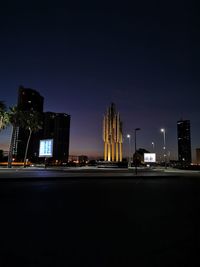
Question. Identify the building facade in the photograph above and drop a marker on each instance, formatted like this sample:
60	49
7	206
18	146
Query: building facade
112	135
57	127
184	142
82	159
198	156
28	100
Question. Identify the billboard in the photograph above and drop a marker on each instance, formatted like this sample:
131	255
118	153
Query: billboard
149	157
46	148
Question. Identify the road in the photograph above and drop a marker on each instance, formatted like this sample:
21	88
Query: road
92	221
90	172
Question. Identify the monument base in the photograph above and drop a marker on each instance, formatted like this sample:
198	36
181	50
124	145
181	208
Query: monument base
112	164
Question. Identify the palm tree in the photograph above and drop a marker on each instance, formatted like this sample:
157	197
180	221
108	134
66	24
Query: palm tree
32	122
4	119
15	119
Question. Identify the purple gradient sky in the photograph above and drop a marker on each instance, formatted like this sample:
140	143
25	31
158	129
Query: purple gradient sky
143	57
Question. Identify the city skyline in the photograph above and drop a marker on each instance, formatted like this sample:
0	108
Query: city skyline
158	151
82	58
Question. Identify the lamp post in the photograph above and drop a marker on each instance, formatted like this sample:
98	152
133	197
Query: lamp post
153	145
136	129
164	144
129	150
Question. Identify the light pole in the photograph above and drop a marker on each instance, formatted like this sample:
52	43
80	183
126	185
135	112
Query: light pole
136	129
153	145
164	144
129	150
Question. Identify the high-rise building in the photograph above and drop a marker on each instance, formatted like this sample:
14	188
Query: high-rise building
184	142
112	135
198	156
28	100
57	127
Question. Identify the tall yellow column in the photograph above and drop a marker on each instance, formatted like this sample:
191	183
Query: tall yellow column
109	152
120	152
113	151
105	151
112	135
117	152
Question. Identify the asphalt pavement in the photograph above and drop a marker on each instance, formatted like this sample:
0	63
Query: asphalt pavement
90	172
148	220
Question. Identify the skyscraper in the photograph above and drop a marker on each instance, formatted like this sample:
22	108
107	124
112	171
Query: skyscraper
184	142
57	127
28	100
112	135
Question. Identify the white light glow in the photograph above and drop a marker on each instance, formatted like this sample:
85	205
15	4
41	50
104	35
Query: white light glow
46	148
149	157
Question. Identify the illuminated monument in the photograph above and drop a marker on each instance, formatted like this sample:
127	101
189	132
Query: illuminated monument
112	135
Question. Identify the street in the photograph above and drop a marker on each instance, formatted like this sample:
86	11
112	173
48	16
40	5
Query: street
90	172
85	220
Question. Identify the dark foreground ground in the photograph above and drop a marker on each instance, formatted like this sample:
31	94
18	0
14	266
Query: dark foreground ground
100	222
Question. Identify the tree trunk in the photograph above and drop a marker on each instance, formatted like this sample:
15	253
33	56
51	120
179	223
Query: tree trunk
27	145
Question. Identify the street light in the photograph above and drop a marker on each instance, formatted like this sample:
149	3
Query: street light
164	144
136	129
129	150
153	145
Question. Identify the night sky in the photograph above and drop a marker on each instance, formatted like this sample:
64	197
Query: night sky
144	57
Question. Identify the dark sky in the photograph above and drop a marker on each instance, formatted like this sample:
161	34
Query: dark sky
144	57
